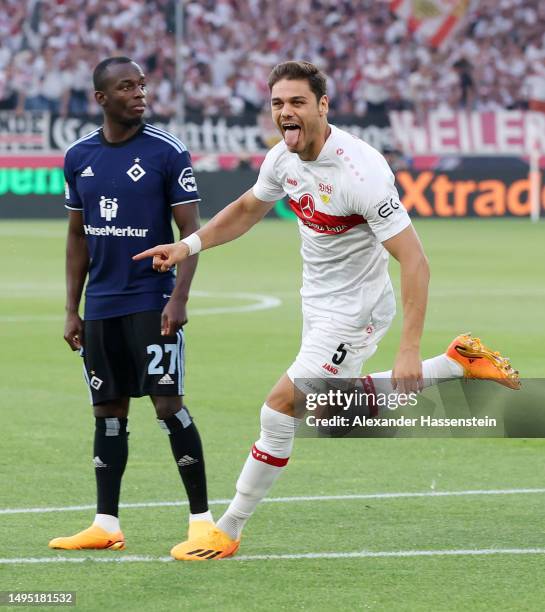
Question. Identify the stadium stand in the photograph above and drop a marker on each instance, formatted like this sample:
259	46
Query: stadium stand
494	60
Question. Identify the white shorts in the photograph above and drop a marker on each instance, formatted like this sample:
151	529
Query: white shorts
331	350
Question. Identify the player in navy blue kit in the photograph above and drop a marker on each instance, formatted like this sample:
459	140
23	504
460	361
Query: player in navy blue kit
124	183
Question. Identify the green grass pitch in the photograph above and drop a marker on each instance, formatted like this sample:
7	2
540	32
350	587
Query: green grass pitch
487	277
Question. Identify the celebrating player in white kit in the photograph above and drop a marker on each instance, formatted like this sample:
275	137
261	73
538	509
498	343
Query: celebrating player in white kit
350	219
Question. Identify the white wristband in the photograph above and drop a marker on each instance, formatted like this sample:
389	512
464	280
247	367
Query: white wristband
194	243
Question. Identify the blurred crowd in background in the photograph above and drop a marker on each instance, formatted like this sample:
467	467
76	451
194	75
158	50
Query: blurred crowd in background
494	60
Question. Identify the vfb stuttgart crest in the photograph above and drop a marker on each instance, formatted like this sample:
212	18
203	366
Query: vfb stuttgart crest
325	190
307	206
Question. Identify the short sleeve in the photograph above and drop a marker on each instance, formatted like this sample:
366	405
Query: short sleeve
268	187
378	201
72	200
181	183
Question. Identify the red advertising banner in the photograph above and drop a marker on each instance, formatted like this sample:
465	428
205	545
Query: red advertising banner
446	132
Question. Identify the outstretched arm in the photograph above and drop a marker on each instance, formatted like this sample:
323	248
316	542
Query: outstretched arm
415	274
230	223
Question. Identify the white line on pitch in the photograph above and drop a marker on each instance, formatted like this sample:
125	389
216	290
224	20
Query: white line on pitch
287	500
396	553
259	302
358	554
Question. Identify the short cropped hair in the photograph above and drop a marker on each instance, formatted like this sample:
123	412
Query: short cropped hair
99	73
299	71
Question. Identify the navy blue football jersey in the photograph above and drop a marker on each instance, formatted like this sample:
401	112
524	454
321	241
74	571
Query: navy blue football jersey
126	192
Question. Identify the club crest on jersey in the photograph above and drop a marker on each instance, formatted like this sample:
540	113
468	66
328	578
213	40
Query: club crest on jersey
136	172
307	206
186	180
326	191
108	208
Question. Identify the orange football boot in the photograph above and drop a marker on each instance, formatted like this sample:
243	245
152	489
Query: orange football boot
93	537
478	361
206	542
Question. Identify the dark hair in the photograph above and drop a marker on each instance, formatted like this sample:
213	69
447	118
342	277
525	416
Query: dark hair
300	71
99	73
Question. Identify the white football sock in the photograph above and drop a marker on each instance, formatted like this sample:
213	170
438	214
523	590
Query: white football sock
264	464
107	522
434	370
201	516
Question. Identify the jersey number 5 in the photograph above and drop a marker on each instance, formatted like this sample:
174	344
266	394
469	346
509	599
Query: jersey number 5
339	355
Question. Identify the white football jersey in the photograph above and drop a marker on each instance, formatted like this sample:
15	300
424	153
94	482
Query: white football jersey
346	204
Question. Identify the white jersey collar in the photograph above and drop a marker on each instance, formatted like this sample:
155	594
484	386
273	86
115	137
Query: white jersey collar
324	155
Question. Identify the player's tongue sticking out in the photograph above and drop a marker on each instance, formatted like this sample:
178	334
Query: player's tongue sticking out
291	136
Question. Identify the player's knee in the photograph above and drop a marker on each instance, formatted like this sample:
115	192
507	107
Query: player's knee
281	401
117	408
166	407
281	397
277	432
179	419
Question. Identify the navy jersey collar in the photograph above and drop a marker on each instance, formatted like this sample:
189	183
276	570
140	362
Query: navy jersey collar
123	142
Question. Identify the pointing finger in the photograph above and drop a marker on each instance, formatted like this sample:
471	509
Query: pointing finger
153	252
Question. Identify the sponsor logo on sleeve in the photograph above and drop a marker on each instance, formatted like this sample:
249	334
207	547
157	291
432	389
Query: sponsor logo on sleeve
387	207
186	180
